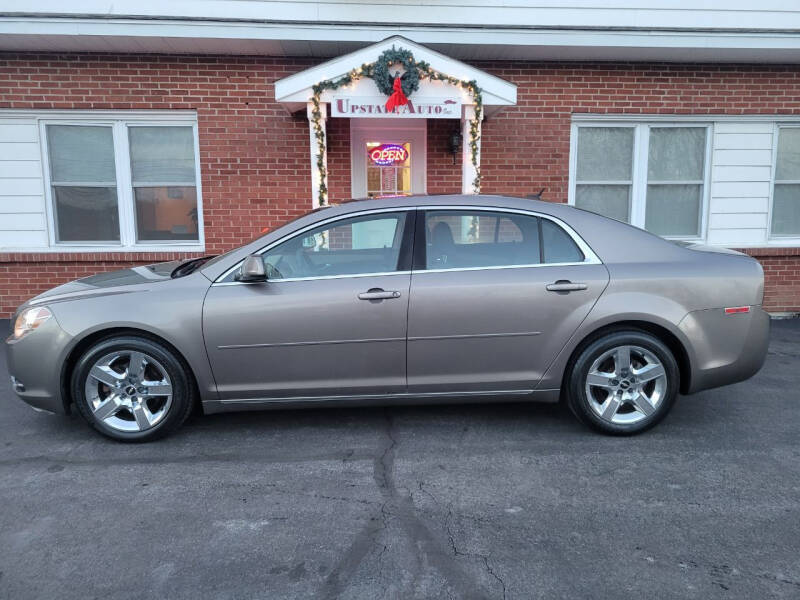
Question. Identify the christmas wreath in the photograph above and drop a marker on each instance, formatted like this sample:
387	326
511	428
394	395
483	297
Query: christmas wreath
384	77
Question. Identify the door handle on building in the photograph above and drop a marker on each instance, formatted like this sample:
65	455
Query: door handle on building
378	294
563	285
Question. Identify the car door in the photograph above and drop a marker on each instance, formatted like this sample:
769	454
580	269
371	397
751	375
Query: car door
494	297
329	321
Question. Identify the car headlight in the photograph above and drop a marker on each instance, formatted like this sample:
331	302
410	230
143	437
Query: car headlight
30	319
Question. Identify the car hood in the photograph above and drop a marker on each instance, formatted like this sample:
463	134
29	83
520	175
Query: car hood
112	282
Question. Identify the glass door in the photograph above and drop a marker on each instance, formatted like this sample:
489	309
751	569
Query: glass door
387	157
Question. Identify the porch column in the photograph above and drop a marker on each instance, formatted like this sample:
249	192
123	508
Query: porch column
468	170
316	180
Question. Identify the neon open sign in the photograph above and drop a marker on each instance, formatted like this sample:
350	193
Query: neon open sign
388	154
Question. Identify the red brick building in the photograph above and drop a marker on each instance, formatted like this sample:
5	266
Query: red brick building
138	152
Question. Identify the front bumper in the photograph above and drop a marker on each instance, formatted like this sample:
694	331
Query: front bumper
35	363
727	348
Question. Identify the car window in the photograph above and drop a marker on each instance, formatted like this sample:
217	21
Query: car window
558	246
468	239
360	245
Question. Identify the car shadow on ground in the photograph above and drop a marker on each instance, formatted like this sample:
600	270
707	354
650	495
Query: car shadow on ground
287	421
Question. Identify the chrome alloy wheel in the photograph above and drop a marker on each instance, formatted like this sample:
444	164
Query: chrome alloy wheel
128	391
626	384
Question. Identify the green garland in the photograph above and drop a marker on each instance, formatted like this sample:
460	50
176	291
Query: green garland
378	71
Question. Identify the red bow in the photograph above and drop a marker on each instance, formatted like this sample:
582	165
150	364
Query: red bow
398	98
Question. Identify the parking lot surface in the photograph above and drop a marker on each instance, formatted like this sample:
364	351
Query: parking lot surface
475	501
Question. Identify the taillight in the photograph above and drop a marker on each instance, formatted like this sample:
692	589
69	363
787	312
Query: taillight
733	310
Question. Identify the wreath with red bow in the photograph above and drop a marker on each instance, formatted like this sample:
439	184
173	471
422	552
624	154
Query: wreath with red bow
390	81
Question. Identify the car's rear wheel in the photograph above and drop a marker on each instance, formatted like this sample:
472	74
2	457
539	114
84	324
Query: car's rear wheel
623	382
132	388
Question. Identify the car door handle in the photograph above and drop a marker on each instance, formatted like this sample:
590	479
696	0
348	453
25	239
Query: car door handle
378	294
565	286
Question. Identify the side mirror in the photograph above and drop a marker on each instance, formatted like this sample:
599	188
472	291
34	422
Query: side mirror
252	269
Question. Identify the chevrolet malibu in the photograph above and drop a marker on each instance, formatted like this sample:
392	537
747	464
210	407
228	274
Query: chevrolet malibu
393	301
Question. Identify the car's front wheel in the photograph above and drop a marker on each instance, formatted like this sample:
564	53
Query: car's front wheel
623	382
132	389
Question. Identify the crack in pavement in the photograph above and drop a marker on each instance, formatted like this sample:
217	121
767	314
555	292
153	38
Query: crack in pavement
484	558
399	509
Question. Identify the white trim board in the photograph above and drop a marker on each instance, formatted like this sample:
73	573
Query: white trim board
100	114
673	118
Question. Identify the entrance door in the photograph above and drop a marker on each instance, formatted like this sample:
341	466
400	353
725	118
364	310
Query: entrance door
387	157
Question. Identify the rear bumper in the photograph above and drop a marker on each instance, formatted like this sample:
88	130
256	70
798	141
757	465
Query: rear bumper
35	362
726	348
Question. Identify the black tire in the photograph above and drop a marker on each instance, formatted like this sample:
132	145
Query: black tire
183	394
576	395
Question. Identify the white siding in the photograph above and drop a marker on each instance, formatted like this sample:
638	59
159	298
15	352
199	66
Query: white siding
741	175
22	209
23	239
739	189
748	220
739	205
737	238
28	204
743	141
737	158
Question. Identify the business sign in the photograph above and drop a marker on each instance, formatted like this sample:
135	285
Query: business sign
417	108
387	154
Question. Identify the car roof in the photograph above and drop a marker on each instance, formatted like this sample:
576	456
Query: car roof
423	200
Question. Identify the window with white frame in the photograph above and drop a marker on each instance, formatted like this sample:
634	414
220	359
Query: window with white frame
124	182
650	175
786	192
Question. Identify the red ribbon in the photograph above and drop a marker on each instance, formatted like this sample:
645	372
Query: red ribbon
398	98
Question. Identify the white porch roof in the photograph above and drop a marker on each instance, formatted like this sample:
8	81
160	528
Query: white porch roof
295	91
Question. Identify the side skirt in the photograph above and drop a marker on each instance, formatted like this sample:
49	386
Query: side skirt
218	406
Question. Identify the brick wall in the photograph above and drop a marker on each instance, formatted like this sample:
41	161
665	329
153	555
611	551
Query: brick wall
254	156
444	177
338	131
781	277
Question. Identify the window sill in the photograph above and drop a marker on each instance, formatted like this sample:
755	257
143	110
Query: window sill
776	244
783	242
80	249
96	255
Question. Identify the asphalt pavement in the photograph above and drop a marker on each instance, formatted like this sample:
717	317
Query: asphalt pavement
476	501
